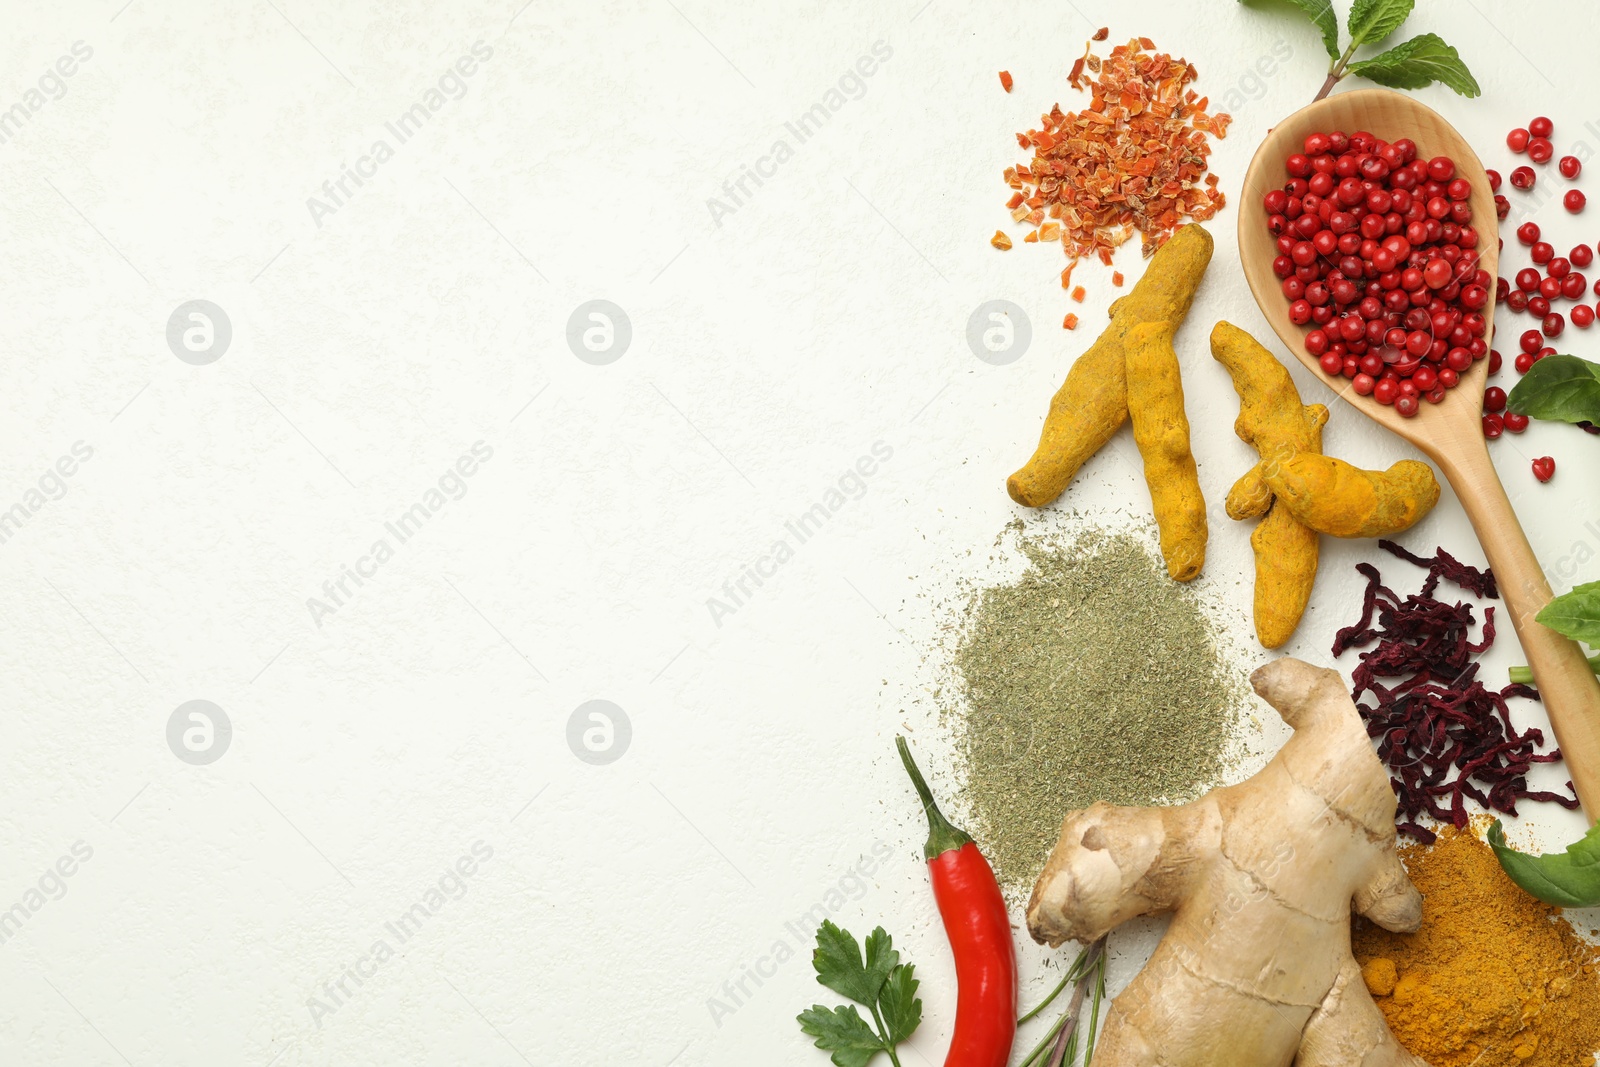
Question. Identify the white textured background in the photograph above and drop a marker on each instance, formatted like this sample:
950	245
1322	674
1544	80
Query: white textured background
374	346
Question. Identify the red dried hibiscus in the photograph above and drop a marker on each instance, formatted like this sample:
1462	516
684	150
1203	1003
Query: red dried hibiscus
1440	731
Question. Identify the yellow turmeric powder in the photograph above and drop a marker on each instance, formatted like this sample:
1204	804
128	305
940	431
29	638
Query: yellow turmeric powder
1494	978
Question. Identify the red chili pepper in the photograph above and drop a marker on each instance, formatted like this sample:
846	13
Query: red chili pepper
979	929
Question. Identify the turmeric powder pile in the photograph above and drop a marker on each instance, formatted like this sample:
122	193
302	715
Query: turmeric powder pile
1494	977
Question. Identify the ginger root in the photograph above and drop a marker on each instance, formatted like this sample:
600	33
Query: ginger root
1335	498
1096	399
1260	879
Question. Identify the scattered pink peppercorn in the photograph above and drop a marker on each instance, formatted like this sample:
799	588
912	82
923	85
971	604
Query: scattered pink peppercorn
1528	232
1553	324
1522	178
1494	399
1582	316
1493	426
1540	150
1542	252
1514	422
1574	200
1569	166
1544	468
1581	255
1517	140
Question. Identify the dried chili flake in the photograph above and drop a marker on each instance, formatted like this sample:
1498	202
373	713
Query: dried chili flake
1078	294
1000	240
1116	278
1444	736
1005	80
1134	160
1101	34
1070	322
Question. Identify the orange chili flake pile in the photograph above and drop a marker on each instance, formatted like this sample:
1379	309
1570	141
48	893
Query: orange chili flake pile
1134	159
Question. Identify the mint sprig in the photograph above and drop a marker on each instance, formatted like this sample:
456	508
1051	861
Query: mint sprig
878	982
1421	61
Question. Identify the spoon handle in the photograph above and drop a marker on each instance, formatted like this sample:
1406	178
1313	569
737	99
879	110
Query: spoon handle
1567	687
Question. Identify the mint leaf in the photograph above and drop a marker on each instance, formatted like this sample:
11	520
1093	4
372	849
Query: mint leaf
1321	14
1569	879
1575	614
837	960
1559	389
902	1011
841	1031
1416	63
1373	20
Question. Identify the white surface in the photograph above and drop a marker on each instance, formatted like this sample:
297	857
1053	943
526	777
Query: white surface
429	712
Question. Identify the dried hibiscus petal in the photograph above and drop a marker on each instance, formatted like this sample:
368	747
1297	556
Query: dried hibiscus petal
1444	736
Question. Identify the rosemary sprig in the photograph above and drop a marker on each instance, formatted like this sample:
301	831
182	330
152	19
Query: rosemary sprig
1087	976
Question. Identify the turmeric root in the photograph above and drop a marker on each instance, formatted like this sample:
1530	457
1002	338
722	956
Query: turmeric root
1260	879
1287	554
1092	404
1161	430
1249	498
1335	498
1272	419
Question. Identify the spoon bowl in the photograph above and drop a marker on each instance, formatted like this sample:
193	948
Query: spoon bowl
1451	432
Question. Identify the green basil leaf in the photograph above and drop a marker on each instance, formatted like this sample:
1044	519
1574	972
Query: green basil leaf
837	960
902	1011
1416	63
1321	14
1575	614
843	1032
1560	389
1569	879
1371	21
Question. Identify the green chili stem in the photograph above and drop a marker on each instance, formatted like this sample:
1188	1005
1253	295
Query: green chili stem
1524	675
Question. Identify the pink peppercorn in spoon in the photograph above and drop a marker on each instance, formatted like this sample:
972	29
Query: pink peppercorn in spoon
1449	432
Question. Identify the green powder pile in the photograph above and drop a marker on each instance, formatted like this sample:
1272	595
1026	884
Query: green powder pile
1092	677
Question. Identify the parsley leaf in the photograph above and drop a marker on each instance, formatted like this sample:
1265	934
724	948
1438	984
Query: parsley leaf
837	960
1418	62
879	982
1320	12
843	1032
902	1011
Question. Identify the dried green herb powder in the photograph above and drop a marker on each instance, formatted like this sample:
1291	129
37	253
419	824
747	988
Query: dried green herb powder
1092	677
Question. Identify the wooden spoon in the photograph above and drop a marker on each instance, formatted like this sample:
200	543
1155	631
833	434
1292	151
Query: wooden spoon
1449	433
